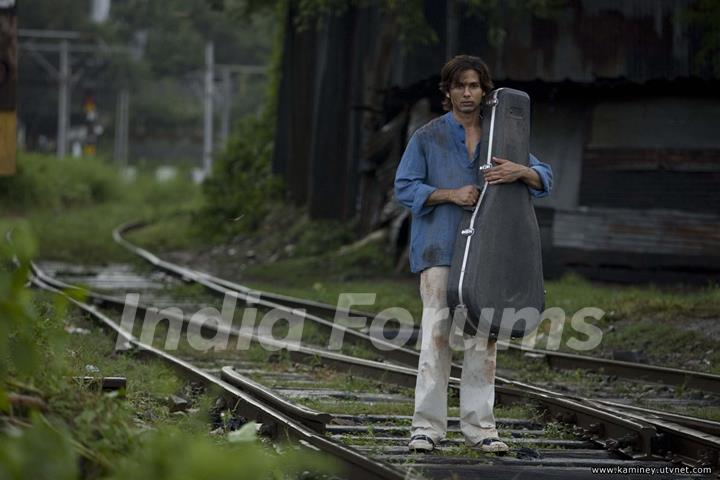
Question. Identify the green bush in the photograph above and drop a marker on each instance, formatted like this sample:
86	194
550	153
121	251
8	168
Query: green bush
172	193
241	188
172	455
48	182
39	452
29	342
318	237
73	205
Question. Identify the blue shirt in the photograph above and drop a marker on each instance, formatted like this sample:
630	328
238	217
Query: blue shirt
436	157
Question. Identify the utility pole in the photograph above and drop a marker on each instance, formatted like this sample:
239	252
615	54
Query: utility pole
62	74
121	127
226	106
229	73
208	110
8	84
63	99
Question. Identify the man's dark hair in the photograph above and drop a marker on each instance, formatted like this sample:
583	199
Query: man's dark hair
454	67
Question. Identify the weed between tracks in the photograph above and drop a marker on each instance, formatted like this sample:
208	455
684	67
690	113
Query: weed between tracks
559	431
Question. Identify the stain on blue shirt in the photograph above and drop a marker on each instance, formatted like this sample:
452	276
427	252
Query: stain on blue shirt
436	157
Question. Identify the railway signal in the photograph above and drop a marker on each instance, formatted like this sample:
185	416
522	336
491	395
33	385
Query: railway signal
92	128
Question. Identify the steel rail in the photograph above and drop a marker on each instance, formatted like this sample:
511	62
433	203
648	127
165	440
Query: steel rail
355	464
311	418
648	435
634	435
409	357
670	376
701	424
391	351
691	446
560	408
600	426
559	360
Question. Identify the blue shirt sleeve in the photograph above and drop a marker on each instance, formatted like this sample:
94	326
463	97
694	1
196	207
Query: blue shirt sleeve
410	187
546	177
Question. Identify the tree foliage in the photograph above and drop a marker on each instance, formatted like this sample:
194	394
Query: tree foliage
54	15
176	32
241	187
166	44
705	15
494	12
408	15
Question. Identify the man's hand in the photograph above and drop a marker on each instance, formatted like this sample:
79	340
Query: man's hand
464	196
506	171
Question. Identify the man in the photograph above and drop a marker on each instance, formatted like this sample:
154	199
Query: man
437	176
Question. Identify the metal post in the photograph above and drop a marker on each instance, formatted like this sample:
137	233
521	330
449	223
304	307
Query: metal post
208	111
451	26
63	99
121	128
244	77
118	129
227	106
125	96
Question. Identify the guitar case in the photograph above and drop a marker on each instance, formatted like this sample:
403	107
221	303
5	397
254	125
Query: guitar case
495	286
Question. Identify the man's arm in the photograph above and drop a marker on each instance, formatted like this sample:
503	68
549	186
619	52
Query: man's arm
462	196
410	187
506	171
412	191
537	176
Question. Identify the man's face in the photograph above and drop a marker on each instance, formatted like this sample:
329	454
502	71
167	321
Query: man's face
466	92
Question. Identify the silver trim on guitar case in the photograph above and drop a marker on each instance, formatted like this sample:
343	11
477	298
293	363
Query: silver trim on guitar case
468	232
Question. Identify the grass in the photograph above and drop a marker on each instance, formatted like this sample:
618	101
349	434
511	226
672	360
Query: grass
572	293
709	413
389	292
393	408
149	381
73	205
559	431
89	434
640	318
105	426
177	231
362	408
517	411
191	292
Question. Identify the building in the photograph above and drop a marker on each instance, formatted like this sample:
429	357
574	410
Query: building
625	109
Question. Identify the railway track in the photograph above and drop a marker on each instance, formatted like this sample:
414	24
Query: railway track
608	434
554	359
287	420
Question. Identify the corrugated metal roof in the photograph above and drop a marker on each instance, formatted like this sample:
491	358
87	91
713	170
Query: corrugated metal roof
587	40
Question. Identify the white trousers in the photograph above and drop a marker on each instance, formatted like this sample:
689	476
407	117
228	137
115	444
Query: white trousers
477	385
